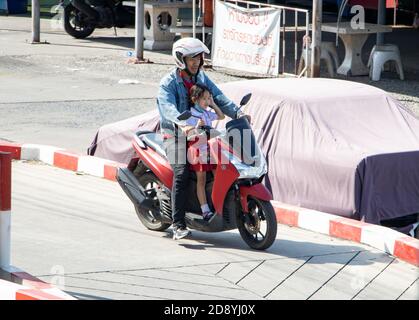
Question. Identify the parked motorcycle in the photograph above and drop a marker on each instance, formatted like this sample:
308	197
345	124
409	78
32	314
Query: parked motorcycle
235	193
82	17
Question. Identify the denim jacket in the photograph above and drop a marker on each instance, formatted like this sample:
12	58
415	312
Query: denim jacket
173	99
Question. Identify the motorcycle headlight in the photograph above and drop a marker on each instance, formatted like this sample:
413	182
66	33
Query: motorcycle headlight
250	172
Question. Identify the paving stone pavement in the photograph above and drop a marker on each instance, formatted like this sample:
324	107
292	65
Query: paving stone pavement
81	233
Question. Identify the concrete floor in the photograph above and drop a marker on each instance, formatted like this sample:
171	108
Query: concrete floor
81	233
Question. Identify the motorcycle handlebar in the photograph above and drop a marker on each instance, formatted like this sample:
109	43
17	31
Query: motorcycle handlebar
204	131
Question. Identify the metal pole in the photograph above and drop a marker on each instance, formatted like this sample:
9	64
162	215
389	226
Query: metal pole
283	40
36	21
295	41
139	30
316	38
307	46
381	19
395	13
203	21
194	18
5	208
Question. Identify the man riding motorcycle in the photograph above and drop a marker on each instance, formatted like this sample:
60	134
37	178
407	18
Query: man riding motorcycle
172	100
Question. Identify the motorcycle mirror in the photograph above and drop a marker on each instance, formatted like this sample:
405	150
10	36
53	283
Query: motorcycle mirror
185	115
245	99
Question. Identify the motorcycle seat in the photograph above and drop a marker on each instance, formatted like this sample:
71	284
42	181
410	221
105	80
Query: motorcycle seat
155	142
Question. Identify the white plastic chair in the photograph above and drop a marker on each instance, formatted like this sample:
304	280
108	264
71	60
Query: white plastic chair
328	54
383	47
381	54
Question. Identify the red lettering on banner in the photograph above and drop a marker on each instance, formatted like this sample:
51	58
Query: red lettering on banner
244	17
255	39
257	59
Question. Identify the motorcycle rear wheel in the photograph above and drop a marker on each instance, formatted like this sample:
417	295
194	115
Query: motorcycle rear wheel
71	14
251	229
147	217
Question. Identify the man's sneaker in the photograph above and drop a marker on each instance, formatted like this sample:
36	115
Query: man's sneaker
180	232
207	215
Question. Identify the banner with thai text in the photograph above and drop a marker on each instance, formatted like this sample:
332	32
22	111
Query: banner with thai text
246	39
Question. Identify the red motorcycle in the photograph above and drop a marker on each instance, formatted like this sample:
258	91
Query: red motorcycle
235	193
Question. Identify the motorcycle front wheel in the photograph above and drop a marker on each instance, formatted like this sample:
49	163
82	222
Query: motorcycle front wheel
258	227
149	218
74	25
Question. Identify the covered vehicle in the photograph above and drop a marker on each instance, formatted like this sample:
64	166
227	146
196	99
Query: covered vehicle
331	145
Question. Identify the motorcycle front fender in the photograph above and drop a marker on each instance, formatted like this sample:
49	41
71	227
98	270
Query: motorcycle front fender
258	191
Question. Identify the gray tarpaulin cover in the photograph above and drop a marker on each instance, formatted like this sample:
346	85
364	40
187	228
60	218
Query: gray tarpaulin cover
336	146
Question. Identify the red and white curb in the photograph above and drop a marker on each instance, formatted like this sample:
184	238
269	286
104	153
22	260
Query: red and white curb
385	239
19	285
63	159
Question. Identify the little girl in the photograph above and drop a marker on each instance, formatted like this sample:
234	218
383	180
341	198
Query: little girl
201	99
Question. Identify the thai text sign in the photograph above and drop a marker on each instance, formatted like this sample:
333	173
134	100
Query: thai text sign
246	39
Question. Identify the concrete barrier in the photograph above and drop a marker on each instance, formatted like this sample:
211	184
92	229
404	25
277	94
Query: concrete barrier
16	284
14	291
5	207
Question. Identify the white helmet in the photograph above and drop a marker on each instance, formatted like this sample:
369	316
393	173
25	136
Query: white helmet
187	47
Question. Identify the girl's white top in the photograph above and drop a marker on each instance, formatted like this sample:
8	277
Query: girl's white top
206	115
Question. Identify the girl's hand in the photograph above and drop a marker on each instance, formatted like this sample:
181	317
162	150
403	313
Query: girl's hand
200	123
211	101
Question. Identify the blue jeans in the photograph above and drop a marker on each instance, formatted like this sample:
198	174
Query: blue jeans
176	150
